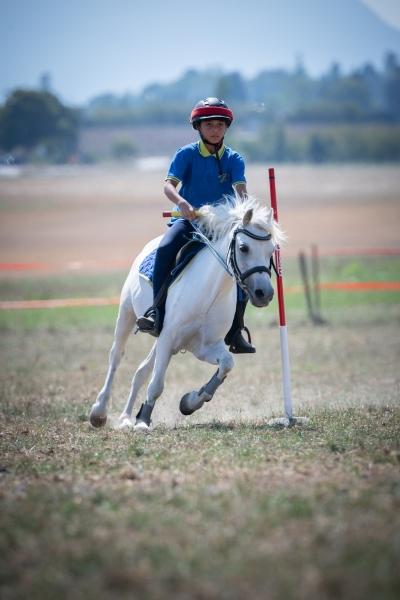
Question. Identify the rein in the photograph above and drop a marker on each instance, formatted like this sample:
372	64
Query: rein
200	237
230	263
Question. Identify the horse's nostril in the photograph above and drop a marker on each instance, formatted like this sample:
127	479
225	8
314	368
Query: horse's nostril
259	293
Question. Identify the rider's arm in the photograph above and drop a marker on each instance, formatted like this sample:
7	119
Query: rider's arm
241	190
172	194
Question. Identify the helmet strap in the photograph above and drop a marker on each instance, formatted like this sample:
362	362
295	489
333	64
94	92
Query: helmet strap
217	147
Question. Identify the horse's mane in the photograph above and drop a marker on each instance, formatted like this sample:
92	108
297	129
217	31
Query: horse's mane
218	220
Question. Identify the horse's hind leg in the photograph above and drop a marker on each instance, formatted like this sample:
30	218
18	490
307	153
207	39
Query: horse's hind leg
138	380
125	322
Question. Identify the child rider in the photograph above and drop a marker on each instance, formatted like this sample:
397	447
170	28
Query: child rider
207	170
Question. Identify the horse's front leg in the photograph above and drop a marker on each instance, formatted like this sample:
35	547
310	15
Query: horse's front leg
216	354
163	353
125	323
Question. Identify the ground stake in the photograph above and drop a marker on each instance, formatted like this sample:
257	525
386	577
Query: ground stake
289	420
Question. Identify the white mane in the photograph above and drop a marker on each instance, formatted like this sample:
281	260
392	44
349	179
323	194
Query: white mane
219	220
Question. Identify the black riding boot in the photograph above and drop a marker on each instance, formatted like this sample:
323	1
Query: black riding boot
152	320
177	235
234	338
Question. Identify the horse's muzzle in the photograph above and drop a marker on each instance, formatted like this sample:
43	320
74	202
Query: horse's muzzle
261	296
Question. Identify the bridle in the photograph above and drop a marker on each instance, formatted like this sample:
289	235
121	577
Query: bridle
232	260
230	263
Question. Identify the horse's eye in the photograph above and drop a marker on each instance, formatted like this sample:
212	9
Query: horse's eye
243	248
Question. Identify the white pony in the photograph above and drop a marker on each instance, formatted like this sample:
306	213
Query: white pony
200	305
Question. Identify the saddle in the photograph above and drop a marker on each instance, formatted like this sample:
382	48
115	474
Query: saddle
183	258
153	318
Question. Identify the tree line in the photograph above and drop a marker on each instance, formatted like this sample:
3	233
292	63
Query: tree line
280	115
366	94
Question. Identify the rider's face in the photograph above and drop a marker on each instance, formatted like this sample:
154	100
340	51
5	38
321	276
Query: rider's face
213	131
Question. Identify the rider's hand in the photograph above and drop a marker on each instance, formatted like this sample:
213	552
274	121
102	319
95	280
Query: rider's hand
187	210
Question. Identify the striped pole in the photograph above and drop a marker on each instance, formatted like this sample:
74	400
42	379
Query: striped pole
287	392
289	420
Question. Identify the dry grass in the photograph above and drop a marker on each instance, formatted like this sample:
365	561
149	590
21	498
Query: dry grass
212	506
216	505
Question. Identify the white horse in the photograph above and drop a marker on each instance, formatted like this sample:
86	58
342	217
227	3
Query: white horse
200	305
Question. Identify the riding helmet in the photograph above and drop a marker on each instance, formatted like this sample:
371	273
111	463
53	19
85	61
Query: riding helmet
210	108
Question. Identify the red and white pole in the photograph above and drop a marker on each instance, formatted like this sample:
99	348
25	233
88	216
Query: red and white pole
287	392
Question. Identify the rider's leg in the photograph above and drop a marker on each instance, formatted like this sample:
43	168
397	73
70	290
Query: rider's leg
234	338
176	237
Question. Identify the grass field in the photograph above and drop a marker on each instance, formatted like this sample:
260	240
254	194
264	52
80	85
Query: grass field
107	285
216	505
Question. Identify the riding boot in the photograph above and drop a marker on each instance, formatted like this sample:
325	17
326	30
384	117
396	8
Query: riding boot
234	338
151	321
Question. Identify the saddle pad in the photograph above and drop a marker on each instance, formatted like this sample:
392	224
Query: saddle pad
189	251
147	265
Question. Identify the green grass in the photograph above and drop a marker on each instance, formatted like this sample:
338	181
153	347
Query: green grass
76	285
109	284
367	268
68	285
103	317
335	305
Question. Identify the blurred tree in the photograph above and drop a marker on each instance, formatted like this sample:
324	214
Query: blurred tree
30	119
391	62
334	72
280	151
347	90
364	95
319	147
231	88
373	81
45	83
123	149
392	85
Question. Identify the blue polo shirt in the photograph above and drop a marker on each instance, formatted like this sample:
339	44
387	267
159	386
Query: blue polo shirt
197	170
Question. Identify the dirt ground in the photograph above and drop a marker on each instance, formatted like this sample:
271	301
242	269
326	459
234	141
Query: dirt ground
88	216
334	367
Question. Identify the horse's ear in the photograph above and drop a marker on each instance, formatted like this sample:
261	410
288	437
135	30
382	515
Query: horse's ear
248	215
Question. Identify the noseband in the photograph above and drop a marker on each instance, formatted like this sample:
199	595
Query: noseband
232	261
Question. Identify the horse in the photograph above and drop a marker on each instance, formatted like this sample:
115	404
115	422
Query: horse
240	236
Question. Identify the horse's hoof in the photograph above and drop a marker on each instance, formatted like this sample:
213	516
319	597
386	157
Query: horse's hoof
141	427
98	421
125	423
186	407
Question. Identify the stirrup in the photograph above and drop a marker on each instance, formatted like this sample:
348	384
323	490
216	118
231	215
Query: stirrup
149	323
239	345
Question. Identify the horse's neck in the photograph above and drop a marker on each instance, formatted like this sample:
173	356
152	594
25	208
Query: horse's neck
207	274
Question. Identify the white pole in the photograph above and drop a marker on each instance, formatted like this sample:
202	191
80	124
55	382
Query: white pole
287	391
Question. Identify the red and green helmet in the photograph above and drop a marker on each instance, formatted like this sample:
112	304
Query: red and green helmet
210	108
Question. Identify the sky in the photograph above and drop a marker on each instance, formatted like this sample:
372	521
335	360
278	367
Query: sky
388	10
90	47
